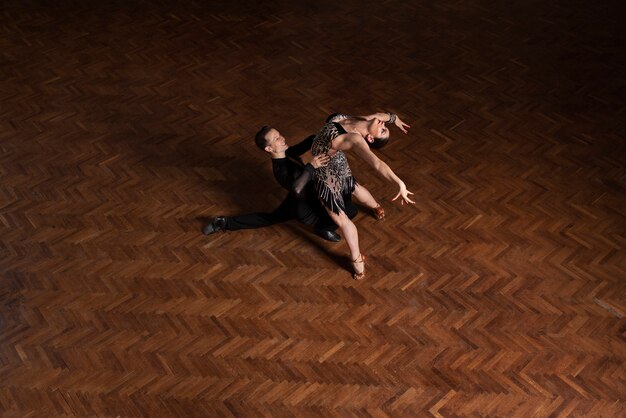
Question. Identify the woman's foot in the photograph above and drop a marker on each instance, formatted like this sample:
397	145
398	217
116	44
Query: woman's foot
359	267
379	212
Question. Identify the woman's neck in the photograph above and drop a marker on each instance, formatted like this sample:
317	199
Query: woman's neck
355	126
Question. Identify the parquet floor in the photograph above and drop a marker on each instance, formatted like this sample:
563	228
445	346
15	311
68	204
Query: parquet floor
125	125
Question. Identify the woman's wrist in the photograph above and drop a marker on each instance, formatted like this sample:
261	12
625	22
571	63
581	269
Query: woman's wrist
392	117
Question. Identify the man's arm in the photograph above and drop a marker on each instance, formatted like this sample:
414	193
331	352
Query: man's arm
291	176
301	147
294	178
298	185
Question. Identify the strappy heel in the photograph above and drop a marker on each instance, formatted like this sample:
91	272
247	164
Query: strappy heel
379	212
361	275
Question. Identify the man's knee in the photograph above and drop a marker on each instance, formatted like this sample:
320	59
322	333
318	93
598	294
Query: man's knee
305	214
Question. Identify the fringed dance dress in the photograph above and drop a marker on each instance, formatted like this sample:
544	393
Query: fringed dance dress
333	183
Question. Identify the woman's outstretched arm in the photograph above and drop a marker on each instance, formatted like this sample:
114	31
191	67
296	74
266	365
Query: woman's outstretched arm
360	147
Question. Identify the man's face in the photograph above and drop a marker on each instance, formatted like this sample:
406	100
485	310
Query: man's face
275	142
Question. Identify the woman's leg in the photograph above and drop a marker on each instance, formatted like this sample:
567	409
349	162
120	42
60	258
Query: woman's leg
351	236
364	196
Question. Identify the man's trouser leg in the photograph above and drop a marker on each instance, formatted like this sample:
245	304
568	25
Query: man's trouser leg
284	212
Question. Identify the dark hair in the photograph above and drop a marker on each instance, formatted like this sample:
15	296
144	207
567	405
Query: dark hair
259	138
378	143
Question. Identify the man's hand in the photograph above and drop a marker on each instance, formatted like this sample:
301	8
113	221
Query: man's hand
320	161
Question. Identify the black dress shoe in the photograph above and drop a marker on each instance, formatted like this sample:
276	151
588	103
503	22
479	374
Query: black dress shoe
328	235
217	224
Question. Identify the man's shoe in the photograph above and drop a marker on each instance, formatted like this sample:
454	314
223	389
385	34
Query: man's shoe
328	235
217	224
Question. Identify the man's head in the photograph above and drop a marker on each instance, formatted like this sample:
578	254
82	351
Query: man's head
270	140
377	134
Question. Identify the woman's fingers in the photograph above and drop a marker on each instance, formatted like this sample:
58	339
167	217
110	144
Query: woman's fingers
404	199
403	126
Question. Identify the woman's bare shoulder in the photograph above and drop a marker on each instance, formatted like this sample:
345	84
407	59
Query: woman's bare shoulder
348	140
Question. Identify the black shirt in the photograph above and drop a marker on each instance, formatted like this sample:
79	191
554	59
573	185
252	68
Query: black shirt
291	173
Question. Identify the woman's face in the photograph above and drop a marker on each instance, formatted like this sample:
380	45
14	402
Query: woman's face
378	129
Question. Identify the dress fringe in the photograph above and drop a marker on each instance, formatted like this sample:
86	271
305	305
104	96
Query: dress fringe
331	200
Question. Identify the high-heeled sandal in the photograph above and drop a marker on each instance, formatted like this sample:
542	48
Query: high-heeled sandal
361	275
379	212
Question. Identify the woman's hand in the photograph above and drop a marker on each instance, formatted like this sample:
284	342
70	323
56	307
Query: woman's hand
405	195
320	161
403	126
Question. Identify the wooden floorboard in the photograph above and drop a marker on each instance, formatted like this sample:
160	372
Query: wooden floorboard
124	126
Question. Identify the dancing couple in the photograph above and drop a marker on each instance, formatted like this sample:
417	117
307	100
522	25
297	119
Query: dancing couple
321	191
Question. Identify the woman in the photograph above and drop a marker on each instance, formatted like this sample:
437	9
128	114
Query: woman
335	184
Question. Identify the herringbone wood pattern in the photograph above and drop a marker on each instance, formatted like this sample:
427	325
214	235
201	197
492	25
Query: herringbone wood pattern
125	124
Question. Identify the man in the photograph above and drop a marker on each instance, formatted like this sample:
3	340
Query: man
293	175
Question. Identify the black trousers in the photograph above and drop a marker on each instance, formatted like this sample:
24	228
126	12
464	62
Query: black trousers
305	210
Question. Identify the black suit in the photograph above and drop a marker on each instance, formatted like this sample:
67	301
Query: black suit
301	203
